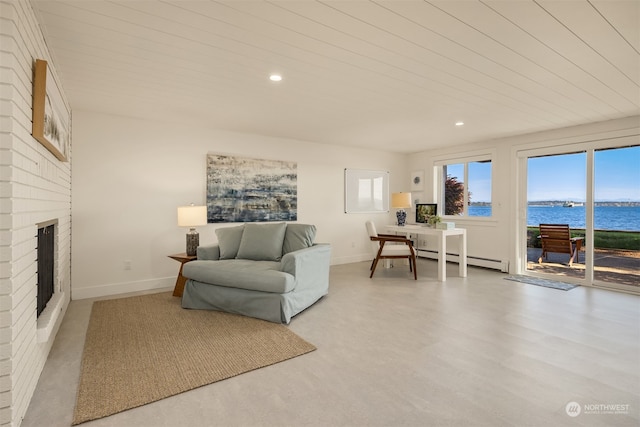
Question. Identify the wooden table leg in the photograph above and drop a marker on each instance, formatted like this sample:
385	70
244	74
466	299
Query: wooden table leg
182	258
180	282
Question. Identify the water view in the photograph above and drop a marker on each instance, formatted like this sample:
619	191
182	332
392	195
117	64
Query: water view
607	216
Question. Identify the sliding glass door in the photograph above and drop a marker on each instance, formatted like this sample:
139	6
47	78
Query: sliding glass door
596	192
616	217
556	194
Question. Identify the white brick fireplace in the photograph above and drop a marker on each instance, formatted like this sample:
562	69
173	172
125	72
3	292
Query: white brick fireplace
35	188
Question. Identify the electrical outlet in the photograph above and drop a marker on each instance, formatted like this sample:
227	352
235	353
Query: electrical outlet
353	244
127	265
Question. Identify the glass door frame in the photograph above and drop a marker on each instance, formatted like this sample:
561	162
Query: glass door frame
522	155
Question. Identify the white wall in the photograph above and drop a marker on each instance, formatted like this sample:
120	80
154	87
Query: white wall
130	176
34	187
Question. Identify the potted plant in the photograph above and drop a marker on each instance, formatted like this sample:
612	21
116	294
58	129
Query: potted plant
433	220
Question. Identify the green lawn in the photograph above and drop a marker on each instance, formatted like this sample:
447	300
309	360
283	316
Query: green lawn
603	239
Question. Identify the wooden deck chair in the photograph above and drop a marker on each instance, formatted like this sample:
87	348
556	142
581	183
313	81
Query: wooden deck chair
557	238
389	246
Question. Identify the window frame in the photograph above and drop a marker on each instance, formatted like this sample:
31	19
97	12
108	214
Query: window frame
454	159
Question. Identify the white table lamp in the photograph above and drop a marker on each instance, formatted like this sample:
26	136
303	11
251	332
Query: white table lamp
192	216
401	201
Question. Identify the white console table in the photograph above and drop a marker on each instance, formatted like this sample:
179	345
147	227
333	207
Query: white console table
441	236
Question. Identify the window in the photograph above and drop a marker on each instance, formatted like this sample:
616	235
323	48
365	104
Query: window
466	187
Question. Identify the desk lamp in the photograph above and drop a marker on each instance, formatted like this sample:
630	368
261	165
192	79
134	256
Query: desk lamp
192	216
401	201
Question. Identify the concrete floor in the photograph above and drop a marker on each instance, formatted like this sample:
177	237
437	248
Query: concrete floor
478	351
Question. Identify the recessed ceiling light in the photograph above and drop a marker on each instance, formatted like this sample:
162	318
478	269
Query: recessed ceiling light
275	77
459	123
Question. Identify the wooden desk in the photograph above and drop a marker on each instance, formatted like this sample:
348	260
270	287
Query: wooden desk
441	236
182	258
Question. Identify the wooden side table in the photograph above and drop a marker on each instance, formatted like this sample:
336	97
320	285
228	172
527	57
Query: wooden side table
182	258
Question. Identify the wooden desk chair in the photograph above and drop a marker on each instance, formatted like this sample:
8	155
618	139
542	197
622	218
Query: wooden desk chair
389	246
557	238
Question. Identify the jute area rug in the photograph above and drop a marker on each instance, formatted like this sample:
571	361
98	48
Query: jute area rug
142	349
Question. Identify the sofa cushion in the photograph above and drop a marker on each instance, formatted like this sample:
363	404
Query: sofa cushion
264	276
262	242
298	236
229	241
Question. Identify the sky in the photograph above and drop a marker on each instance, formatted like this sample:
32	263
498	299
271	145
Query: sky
479	175
563	177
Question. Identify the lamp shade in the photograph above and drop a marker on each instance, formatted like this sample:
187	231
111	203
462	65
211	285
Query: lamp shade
401	200
192	216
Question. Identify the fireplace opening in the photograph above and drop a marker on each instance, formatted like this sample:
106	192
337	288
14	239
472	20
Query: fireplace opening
45	265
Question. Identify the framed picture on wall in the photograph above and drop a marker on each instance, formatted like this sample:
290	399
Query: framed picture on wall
416	198
50	115
417	180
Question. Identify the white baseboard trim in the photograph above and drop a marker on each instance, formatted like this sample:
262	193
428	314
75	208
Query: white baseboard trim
164	283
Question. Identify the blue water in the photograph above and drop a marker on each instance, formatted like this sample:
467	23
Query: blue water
605	217
479	210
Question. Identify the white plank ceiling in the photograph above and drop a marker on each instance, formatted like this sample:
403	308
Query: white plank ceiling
389	75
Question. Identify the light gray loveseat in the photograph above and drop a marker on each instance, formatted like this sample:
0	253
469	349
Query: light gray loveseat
268	271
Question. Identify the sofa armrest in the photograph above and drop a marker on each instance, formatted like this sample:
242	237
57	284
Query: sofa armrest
309	266
210	252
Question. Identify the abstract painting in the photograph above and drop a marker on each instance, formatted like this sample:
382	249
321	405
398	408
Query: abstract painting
241	189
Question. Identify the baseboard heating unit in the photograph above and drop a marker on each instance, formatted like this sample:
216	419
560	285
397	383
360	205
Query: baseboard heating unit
494	264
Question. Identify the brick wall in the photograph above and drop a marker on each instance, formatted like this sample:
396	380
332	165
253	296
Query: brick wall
34	187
